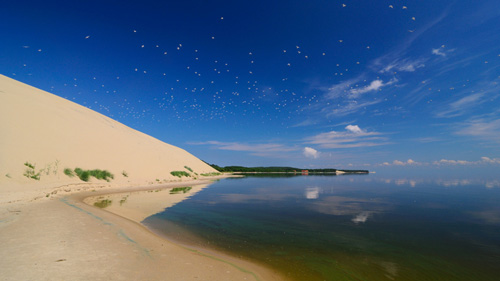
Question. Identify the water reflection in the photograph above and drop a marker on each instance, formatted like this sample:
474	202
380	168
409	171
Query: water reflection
138	205
493	183
352	228
362	217
312	192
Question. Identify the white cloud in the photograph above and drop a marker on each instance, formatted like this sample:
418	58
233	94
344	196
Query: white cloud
346	88
489	160
375	85
438	52
408	162
311	153
353	136
398	163
354	128
453	162
484	160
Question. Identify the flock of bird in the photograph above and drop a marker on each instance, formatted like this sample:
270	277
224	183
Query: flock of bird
200	87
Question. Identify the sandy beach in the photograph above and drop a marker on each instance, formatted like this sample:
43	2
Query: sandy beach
62	238
47	232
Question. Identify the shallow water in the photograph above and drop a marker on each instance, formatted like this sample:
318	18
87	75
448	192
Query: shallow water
360	227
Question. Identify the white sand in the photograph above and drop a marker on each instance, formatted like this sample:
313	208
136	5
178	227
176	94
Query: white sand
48	233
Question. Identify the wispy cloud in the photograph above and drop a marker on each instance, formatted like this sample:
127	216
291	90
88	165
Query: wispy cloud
341	89
375	85
441	51
460	106
488	129
404	65
399	51
353	136
262	149
438	52
349	107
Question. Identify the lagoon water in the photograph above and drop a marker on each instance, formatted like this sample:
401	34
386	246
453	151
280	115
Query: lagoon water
351	227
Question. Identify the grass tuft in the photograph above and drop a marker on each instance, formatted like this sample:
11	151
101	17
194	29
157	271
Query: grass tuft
180	174
85	175
30	171
211	174
68	172
189	169
103	203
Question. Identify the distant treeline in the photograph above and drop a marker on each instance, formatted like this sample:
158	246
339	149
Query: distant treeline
241	169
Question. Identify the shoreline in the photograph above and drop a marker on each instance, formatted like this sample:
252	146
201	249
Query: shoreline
62	237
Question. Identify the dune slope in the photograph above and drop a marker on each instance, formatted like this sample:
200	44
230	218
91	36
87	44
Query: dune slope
53	133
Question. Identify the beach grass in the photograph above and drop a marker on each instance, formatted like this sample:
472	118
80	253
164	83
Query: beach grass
211	174
68	172
103	203
180	174
85	175
30	171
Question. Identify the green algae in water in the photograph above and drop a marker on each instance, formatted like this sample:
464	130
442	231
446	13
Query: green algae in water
348	230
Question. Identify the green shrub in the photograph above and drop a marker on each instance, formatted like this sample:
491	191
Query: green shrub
68	172
103	203
189	169
85	175
180	174
211	174
101	174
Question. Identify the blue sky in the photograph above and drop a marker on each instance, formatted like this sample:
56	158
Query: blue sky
346	84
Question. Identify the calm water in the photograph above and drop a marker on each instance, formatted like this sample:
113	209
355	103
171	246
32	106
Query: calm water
361	227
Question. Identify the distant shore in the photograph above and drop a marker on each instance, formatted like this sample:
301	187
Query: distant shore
63	238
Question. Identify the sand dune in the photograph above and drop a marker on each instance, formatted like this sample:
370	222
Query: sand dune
53	133
48	233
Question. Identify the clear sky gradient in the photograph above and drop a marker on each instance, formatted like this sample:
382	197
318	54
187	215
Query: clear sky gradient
344	84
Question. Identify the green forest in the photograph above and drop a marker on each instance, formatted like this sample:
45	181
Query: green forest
242	169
